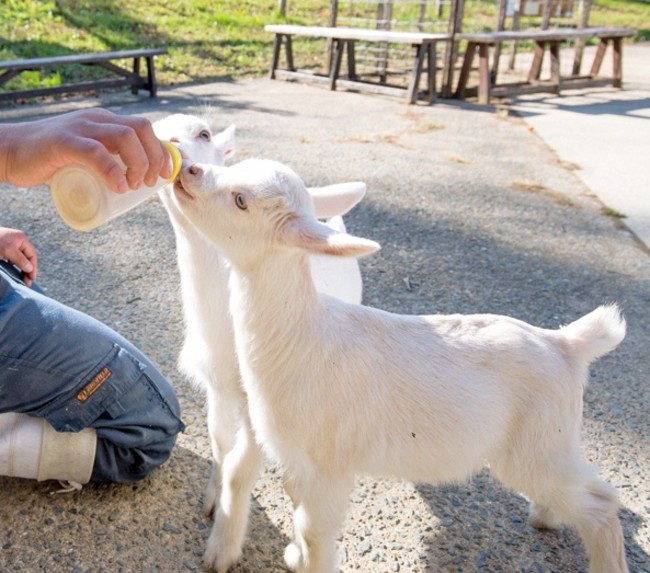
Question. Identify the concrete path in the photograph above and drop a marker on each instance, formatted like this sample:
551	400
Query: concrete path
605	134
475	213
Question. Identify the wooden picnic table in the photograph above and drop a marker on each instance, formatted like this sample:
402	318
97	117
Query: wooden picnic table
344	40
550	39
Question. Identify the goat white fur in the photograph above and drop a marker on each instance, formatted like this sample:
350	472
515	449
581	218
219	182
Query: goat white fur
208	356
336	389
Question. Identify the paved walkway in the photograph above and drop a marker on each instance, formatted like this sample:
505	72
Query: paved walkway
605	133
461	231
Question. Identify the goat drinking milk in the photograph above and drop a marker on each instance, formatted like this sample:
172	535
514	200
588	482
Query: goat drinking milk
208	356
336	389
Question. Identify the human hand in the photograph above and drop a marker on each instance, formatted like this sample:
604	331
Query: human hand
31	152
16	248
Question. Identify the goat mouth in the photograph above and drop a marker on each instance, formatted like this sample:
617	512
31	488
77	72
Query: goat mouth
181	191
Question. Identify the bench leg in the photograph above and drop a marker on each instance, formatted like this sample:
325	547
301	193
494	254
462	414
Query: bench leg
465	70
449	59
352	65
617	64
335	69
288	52
275	59
277	44
536	66
554	49
431	72
136	71
4	78
598	58
484	77
494	70
151	77
414	84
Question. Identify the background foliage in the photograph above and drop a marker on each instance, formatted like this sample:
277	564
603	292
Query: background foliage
206	40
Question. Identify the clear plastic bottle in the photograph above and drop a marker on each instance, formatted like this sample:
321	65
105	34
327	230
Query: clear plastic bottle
84	201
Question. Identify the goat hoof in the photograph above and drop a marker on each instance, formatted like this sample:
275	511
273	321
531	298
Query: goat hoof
218	558
211	495
293	557
209	507
540	517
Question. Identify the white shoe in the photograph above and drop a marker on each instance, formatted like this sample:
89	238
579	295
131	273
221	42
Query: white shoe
31	448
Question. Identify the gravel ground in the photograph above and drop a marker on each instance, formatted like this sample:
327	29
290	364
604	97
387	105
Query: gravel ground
475	214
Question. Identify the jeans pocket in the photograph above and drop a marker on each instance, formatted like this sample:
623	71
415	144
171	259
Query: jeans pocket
95	394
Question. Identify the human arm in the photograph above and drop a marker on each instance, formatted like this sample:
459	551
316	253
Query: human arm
31	152
16	248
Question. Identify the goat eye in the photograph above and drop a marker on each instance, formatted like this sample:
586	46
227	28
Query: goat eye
240	201
205	135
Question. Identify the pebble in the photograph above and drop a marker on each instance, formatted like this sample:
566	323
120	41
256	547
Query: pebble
364	547
481	559
171	528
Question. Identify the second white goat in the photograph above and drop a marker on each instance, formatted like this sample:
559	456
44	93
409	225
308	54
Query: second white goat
336	389
208	356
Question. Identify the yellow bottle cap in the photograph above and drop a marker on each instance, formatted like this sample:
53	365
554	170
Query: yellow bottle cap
177	159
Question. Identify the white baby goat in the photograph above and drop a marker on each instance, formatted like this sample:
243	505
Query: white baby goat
336	389
208	356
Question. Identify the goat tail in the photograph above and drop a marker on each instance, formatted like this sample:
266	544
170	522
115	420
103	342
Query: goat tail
596	333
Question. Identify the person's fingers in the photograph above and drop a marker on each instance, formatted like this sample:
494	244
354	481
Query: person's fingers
157	155
93	138
133	140
16	248
97	156
27	261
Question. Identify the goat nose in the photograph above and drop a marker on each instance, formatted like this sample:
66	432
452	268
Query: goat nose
195	170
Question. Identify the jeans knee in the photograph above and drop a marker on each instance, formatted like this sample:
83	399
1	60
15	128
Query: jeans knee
119	464
140	434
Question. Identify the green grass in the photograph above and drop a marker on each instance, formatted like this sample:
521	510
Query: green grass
206	40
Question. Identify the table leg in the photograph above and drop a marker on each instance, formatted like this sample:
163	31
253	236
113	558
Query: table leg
465	70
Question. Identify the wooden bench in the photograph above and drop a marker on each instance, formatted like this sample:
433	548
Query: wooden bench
343	40
551	39
126	77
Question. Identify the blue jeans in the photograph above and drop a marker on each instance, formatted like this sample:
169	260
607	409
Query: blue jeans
62	365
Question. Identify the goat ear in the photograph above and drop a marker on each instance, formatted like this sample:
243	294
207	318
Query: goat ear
320	239
336	199
225	141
